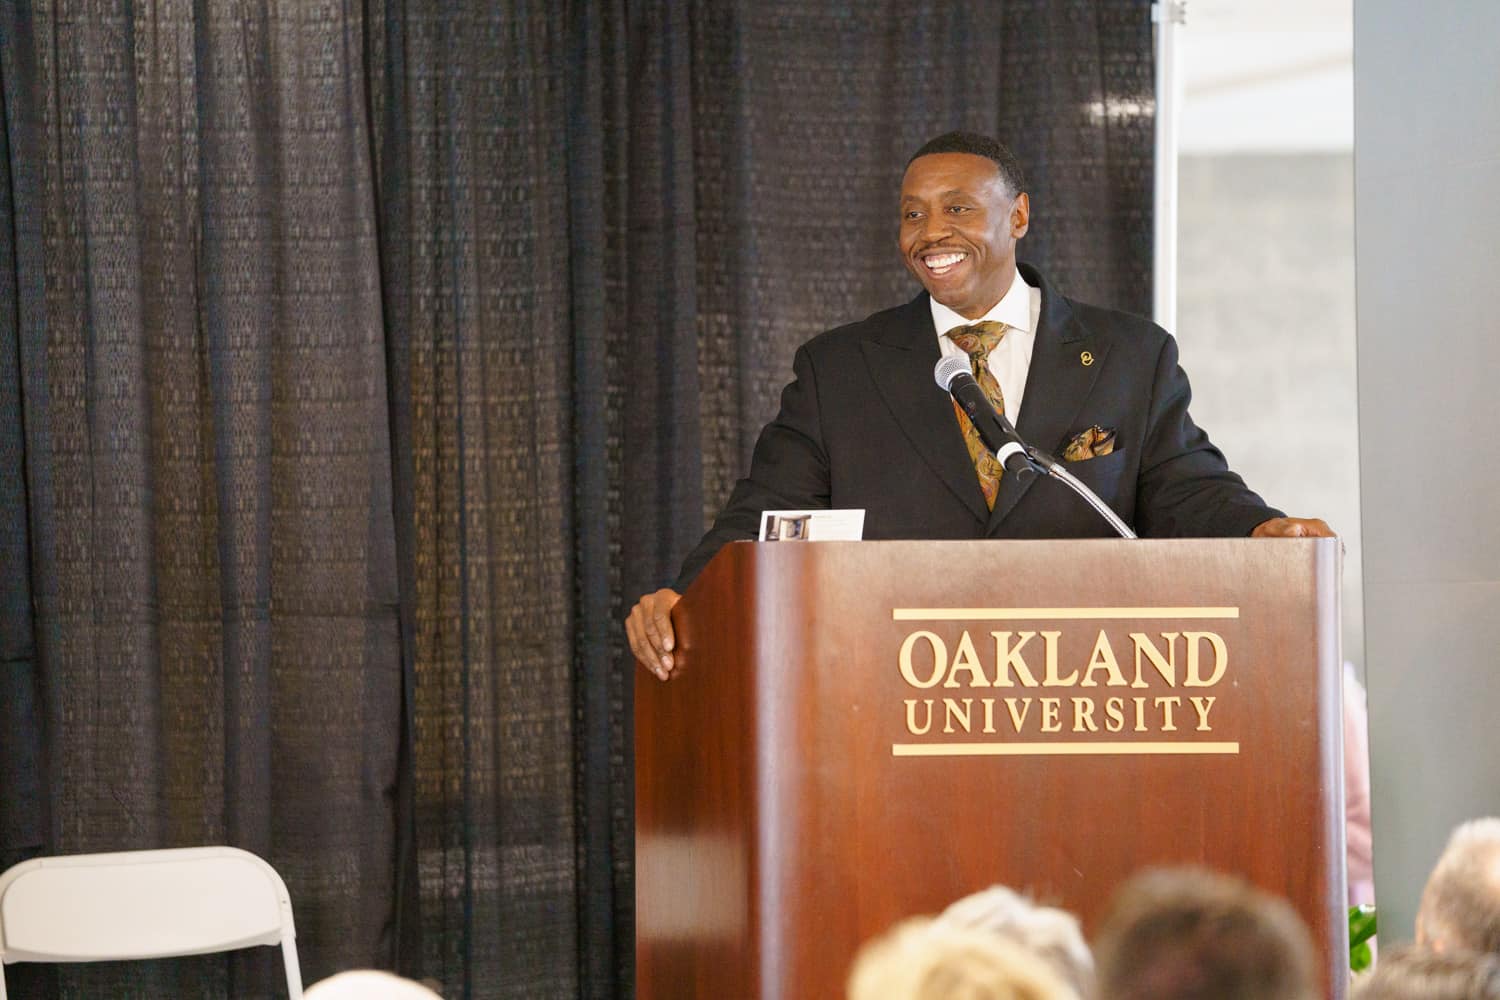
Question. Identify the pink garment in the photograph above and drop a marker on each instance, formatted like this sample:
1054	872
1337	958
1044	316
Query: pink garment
1358	842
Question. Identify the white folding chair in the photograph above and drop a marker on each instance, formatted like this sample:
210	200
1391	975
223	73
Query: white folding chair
144	904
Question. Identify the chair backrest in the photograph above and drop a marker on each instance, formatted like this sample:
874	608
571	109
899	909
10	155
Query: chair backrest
144	904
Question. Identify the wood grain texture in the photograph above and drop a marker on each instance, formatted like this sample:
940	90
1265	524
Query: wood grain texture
776	829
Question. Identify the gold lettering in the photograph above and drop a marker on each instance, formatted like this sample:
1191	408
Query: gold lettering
1166	666
951	711
911	716
1008	658
939	659
1140	714
1114	714
989	714
1083	715
1221	659
1018	720
1166	705
1051	715
1202	707
1051	679
1103	658
965	658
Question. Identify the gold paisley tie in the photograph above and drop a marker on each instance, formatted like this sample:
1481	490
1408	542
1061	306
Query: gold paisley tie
977	340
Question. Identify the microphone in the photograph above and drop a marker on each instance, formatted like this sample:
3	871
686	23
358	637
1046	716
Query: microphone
1000	437
953	375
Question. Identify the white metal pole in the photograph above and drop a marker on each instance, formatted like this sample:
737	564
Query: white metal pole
1170	16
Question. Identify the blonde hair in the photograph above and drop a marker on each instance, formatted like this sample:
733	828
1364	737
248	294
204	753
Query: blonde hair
924	959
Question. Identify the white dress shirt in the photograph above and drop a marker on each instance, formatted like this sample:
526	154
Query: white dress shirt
1009	362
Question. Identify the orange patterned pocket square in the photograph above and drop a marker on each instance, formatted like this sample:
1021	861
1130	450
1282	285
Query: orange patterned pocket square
1096	442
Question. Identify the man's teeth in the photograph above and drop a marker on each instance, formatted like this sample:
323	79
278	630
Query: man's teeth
940	261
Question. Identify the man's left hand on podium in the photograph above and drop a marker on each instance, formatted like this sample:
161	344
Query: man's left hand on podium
649	629
1293	527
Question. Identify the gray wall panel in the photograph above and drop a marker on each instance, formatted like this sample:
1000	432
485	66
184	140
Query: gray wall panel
1266	272
1427	251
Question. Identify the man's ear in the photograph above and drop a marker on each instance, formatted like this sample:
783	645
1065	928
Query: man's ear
1020	216
1425	936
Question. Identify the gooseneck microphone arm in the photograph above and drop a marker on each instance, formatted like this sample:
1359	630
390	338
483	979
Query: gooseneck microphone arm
1056	471
999	436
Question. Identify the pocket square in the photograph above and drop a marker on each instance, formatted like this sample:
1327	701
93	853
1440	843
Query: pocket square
1096	442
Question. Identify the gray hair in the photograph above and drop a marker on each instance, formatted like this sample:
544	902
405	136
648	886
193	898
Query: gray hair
1051	934
1461	902
1418	974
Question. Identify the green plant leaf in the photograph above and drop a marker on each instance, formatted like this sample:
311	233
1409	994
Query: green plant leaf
1362	923
1362	927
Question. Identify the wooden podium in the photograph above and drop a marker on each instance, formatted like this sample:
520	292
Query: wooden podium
864	731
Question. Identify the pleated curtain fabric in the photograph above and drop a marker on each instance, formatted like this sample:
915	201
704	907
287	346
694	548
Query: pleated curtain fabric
361	363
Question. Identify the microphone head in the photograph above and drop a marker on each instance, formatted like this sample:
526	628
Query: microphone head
949	368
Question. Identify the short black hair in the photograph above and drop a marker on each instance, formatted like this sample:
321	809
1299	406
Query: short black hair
978	145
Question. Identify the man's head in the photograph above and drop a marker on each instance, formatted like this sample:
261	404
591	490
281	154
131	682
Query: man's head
1420	974
1461	903
1183	934
1047	932
962	211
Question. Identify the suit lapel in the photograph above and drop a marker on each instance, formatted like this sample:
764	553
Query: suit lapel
901	358
1057	385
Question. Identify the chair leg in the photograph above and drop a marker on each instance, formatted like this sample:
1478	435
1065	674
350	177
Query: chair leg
293	971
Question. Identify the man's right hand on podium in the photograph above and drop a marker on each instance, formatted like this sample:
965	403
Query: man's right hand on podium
650	630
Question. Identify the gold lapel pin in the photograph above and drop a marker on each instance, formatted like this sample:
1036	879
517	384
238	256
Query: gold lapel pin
1087	357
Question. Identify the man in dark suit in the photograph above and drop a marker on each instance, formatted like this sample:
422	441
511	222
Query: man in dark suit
864	425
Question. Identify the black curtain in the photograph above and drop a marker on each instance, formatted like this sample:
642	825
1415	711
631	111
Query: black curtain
361	363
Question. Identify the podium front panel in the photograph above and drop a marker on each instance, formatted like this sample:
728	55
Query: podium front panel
862	732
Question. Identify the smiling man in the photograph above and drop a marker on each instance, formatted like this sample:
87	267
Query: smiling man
961	215
864	425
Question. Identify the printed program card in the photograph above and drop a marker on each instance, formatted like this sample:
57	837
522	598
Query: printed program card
812	525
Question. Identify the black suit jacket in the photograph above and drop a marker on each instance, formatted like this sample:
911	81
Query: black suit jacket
864	425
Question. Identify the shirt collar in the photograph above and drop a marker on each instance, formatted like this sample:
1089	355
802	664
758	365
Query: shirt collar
1014	310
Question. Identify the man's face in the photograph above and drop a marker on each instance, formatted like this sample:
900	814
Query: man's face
959	227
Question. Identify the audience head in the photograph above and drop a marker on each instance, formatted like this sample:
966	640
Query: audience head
924	959
1049	933
1187	934
368	984
1423	974
1460	906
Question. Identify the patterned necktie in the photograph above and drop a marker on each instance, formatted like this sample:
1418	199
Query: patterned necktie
977	340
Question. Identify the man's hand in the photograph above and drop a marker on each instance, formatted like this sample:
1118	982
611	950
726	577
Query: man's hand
650	630
1293	527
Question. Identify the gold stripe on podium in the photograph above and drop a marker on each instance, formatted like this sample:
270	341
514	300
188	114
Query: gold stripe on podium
1059	749
1055	614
